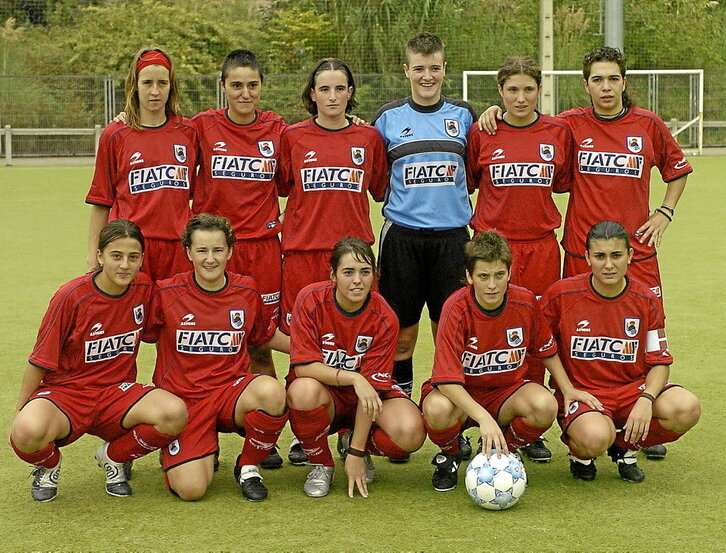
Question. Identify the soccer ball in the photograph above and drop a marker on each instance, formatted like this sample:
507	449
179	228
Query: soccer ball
495	482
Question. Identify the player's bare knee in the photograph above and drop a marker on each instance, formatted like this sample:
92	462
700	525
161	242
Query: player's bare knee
438	410
272	396
28	436
303	394
190	491
173	418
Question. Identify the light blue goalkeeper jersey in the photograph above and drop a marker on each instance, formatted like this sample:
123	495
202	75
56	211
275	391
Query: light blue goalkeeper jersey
426	149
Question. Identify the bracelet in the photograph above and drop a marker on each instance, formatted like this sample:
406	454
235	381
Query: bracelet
648	396
356	452
659	210
669	208
337	378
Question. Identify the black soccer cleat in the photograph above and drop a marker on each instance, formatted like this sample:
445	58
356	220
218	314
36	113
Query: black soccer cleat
273	461
537	451
446	474
627	464
250	482
45	483
655	452
582	470
296	455
464	447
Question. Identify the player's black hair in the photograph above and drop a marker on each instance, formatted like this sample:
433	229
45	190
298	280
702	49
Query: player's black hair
487	246
241	58
606	53
353	245
119	228
327	64
519	65
605	230
426	44
207	221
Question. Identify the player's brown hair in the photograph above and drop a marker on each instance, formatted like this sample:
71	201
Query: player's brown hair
241	58
207	221
519	65
353	245
488	246
132	109
605	230
118	228
426	44
606	53
327	64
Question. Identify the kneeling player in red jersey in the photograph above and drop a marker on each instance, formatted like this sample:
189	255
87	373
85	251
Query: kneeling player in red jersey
610	330
487	332
203	322
343	341
81	374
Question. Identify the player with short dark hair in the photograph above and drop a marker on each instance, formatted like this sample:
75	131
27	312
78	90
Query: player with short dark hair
427	205
327	164
487	333
343	340
516	172
202	322
610	330
145	167
81	374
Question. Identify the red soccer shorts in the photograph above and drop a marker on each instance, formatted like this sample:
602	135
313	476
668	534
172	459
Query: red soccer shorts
262	260
207	417
298	270
96	411
535	264
164	258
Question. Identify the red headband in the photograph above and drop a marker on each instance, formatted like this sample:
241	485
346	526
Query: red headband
152	58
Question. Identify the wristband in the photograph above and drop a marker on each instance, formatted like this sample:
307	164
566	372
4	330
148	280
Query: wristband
648	396
356	452
659	210
669	208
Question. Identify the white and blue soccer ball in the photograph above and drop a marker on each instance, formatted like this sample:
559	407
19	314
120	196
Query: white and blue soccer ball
495	482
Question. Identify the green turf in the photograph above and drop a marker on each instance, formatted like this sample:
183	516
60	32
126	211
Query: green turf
677	508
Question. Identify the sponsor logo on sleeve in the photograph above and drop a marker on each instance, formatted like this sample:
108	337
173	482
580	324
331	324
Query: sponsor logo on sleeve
358	155
266	147
548	345
451	126
237	318
515	336
632	326
139	314
547	152
362	343
634	143
381	377
180	153
681	164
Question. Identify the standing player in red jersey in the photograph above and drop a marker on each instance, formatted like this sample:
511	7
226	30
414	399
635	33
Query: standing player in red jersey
488	333
239	148
81	375
327	164
202	322
145	167
611	333
343	341
516	172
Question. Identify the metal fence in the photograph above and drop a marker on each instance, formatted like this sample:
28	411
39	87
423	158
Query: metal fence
61	115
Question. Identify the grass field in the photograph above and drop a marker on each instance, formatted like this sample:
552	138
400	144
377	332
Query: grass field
678	508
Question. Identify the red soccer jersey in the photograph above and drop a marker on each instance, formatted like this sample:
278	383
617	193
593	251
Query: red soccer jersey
89	339
202	337
516	172
487	349
611	177
363	342
326	174
237	168
606	342
147	176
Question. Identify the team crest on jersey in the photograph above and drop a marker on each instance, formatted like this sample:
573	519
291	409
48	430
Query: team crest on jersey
547	152
237	318
180	152
632	326
362	343
139	314
451	126
635	144
266	147
358	155
515	336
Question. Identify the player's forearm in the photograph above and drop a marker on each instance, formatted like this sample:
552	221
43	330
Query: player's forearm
361	429
656	378
97	220
460	397
557	370
673	192
279	342
31	380
327	375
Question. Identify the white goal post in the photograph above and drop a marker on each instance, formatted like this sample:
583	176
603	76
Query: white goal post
693	112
